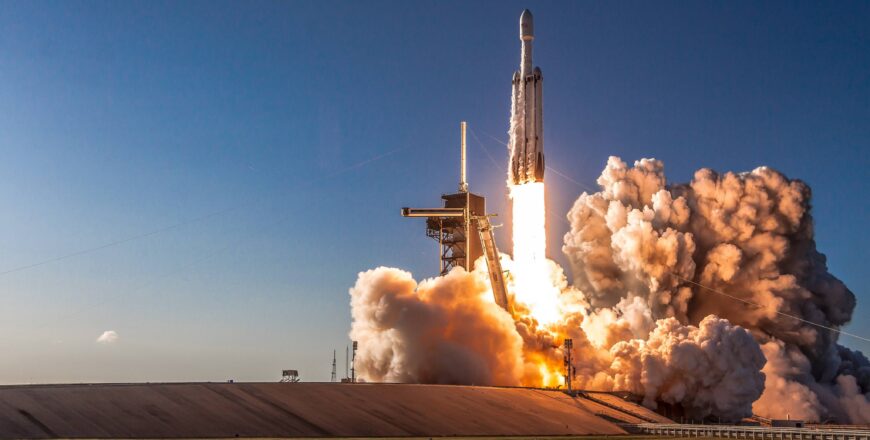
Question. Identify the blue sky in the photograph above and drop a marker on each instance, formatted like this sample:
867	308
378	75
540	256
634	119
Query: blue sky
282	138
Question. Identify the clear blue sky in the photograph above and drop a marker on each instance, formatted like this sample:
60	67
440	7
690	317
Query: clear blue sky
120	118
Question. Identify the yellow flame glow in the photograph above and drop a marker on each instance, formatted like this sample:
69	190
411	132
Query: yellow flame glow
531	272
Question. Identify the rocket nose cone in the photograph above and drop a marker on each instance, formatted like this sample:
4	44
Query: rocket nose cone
527	28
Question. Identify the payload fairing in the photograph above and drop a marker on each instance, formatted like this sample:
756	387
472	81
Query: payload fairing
527	137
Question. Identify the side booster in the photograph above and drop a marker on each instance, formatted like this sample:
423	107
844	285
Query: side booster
527	157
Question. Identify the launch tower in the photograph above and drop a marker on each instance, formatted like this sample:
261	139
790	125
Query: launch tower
464	232
455	225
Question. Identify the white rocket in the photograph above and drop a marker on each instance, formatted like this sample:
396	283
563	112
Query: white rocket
527	128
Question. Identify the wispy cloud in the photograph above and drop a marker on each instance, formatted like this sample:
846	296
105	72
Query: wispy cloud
108	337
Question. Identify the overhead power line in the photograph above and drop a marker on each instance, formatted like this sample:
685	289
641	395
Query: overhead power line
745	301
503	169
548	167
116	242
485	150
199	259
185	222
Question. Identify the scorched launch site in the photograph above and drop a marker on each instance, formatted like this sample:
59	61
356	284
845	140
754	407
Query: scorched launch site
705	300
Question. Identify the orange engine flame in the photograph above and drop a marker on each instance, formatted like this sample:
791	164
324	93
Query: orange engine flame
535	291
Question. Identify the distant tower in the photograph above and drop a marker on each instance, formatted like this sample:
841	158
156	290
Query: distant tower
333	367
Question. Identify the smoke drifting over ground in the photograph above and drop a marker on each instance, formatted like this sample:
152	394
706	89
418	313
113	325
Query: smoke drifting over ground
440	331
639	251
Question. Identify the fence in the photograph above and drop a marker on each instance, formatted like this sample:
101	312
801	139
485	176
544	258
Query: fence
747	432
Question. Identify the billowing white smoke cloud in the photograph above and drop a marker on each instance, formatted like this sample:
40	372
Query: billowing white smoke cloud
440	331
712	369
747	235
449	330
638	320
792	389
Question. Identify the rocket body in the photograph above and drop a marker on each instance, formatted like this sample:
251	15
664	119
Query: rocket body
527	128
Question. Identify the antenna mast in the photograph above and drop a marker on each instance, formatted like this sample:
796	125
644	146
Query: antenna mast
333	367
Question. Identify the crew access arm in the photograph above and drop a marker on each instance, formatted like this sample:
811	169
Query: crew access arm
493	264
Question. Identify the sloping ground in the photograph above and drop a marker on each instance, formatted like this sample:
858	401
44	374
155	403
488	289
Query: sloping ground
606	412
626	406
609	413
203	410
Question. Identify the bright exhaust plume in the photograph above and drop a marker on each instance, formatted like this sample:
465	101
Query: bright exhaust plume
530	271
